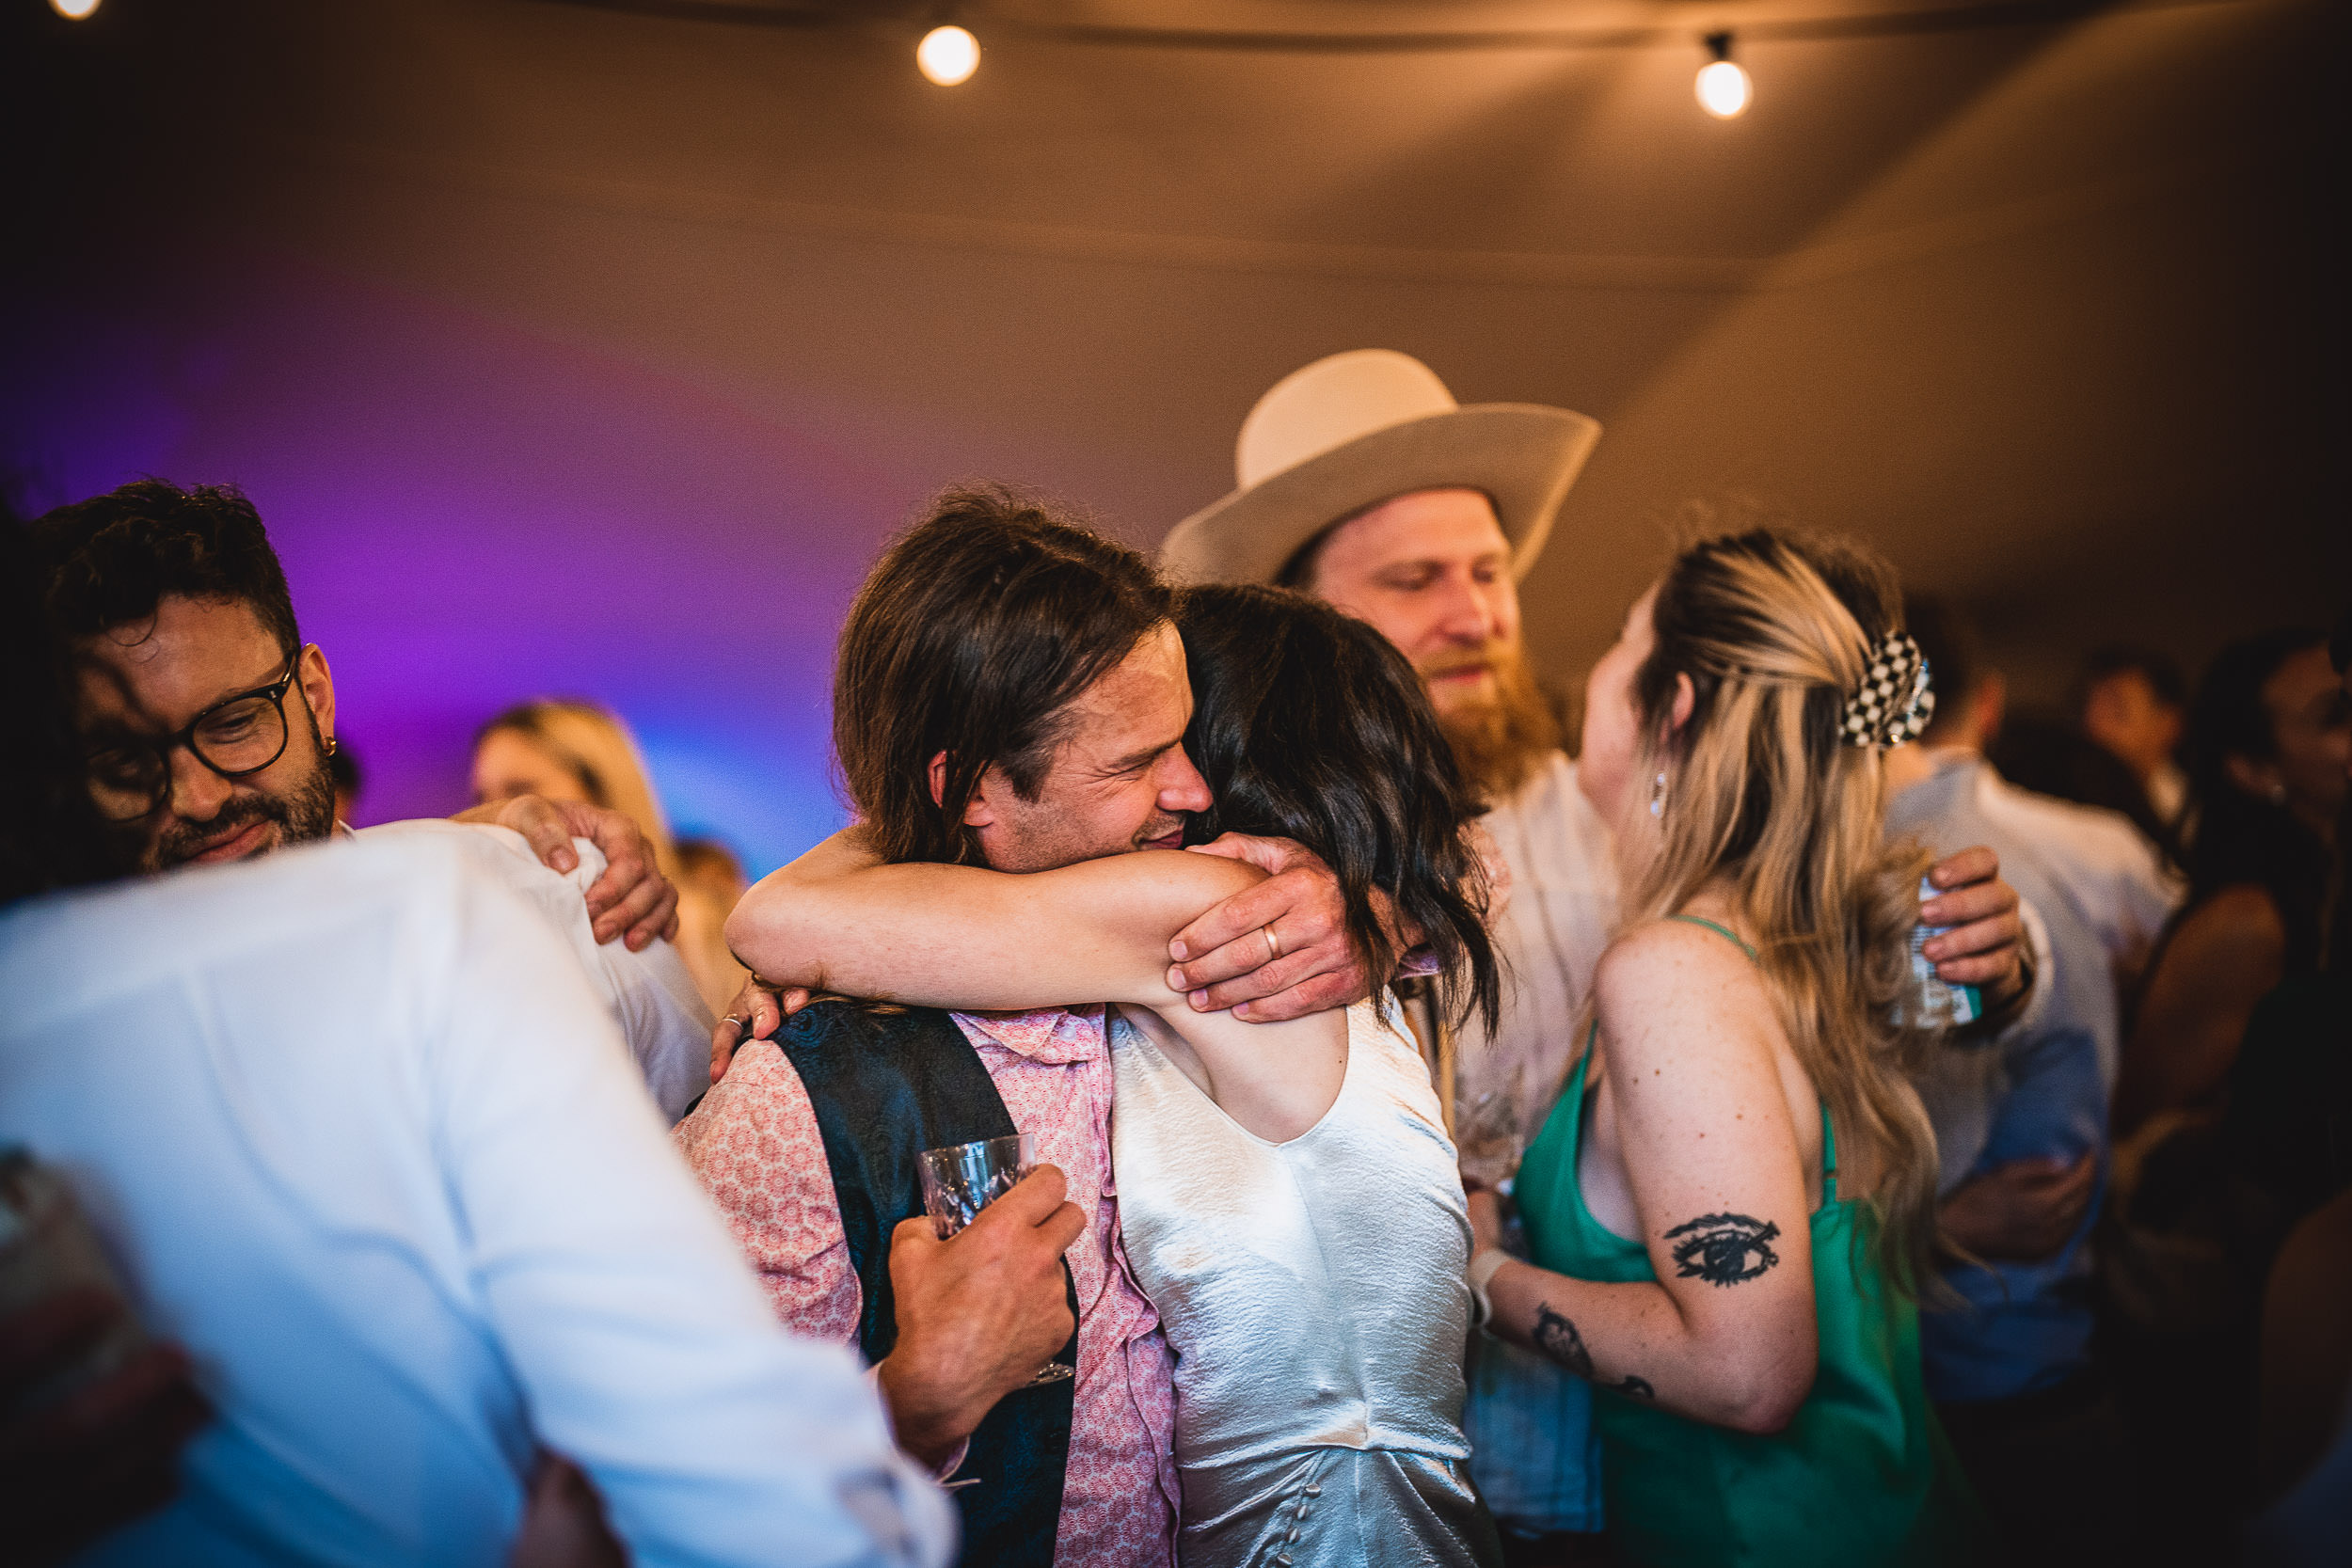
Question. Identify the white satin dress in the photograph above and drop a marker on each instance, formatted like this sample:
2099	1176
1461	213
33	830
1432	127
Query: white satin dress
1312	1292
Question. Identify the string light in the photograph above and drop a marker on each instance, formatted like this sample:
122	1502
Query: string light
1723	87
946	54
73	10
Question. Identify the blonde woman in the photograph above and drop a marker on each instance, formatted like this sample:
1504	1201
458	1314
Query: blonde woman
1730	1205
577	751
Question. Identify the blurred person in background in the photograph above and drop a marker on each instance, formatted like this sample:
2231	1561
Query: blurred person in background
2268	738
2021	1129
569	750
350	1126
180	613
2052	756
1362	481
2291	1108
2287	1123
2203	1191
2133	704
1731	1207
712	869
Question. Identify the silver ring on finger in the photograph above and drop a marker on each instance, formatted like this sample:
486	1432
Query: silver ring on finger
732	1019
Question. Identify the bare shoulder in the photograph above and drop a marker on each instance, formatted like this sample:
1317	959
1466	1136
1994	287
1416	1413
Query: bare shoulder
2237	927
1665	961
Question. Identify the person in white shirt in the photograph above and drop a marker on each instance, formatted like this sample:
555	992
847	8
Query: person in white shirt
2022	1127
1363	482
179	599
372	1150
648	993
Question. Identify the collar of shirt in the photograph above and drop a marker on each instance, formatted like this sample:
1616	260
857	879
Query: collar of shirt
1054	1036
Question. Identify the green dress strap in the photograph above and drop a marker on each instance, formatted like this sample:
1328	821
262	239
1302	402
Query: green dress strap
1719	930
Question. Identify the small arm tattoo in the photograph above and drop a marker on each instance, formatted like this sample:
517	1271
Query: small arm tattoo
1558	1339
1717	1248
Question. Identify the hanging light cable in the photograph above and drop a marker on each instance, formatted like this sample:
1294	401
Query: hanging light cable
1723	87
948	54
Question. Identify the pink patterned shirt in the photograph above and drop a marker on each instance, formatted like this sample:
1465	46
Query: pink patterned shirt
755	1144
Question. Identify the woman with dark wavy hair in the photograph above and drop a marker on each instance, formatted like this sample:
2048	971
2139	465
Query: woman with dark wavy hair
2269	732
1287	1193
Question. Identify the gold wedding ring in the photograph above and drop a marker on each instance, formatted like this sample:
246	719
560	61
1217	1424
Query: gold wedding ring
1273	942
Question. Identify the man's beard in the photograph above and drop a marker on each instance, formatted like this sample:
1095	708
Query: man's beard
303	814
1497	742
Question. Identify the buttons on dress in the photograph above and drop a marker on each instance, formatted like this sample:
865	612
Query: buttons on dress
1314	1489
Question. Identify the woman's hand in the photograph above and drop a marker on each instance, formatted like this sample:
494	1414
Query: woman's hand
756	1012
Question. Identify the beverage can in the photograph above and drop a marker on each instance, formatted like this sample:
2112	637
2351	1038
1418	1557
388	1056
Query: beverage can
1941	1004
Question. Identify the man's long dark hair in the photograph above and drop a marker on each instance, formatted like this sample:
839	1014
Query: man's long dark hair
1307	724
970	638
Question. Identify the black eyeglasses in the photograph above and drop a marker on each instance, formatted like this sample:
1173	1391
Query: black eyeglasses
235	737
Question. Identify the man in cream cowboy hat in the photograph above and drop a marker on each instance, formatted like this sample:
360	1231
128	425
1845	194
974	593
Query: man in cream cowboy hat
1363	482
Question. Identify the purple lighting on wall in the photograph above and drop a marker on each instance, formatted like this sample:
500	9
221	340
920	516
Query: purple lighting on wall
470	516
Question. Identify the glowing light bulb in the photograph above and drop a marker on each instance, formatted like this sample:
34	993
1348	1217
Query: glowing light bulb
947	55
1723	87
73	10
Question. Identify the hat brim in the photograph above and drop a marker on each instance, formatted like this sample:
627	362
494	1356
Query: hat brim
1523	455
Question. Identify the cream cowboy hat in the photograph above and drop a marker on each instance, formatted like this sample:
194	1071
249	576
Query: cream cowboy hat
1353	430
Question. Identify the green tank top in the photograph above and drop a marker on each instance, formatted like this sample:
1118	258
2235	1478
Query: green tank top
1861	1475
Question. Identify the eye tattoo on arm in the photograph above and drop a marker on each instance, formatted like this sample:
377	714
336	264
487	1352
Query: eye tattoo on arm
1717	1248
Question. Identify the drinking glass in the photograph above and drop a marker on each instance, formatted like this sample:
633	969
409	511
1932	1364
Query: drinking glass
961	1181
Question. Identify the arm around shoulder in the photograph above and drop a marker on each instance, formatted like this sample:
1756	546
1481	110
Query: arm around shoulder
964	936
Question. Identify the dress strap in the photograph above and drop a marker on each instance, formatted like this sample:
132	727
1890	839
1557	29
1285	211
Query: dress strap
1724	931
1829	1157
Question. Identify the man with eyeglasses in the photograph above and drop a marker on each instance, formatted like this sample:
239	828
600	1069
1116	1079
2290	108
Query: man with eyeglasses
209	725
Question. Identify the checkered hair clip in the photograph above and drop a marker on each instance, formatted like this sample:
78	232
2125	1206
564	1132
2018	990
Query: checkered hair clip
1894	704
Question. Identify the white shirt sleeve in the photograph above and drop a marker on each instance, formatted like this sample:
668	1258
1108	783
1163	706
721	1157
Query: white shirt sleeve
646	1352
2124	887
650	995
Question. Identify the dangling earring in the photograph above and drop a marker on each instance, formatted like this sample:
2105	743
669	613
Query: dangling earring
1658	795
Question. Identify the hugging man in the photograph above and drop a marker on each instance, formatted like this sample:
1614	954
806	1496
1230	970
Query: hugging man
1011	692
